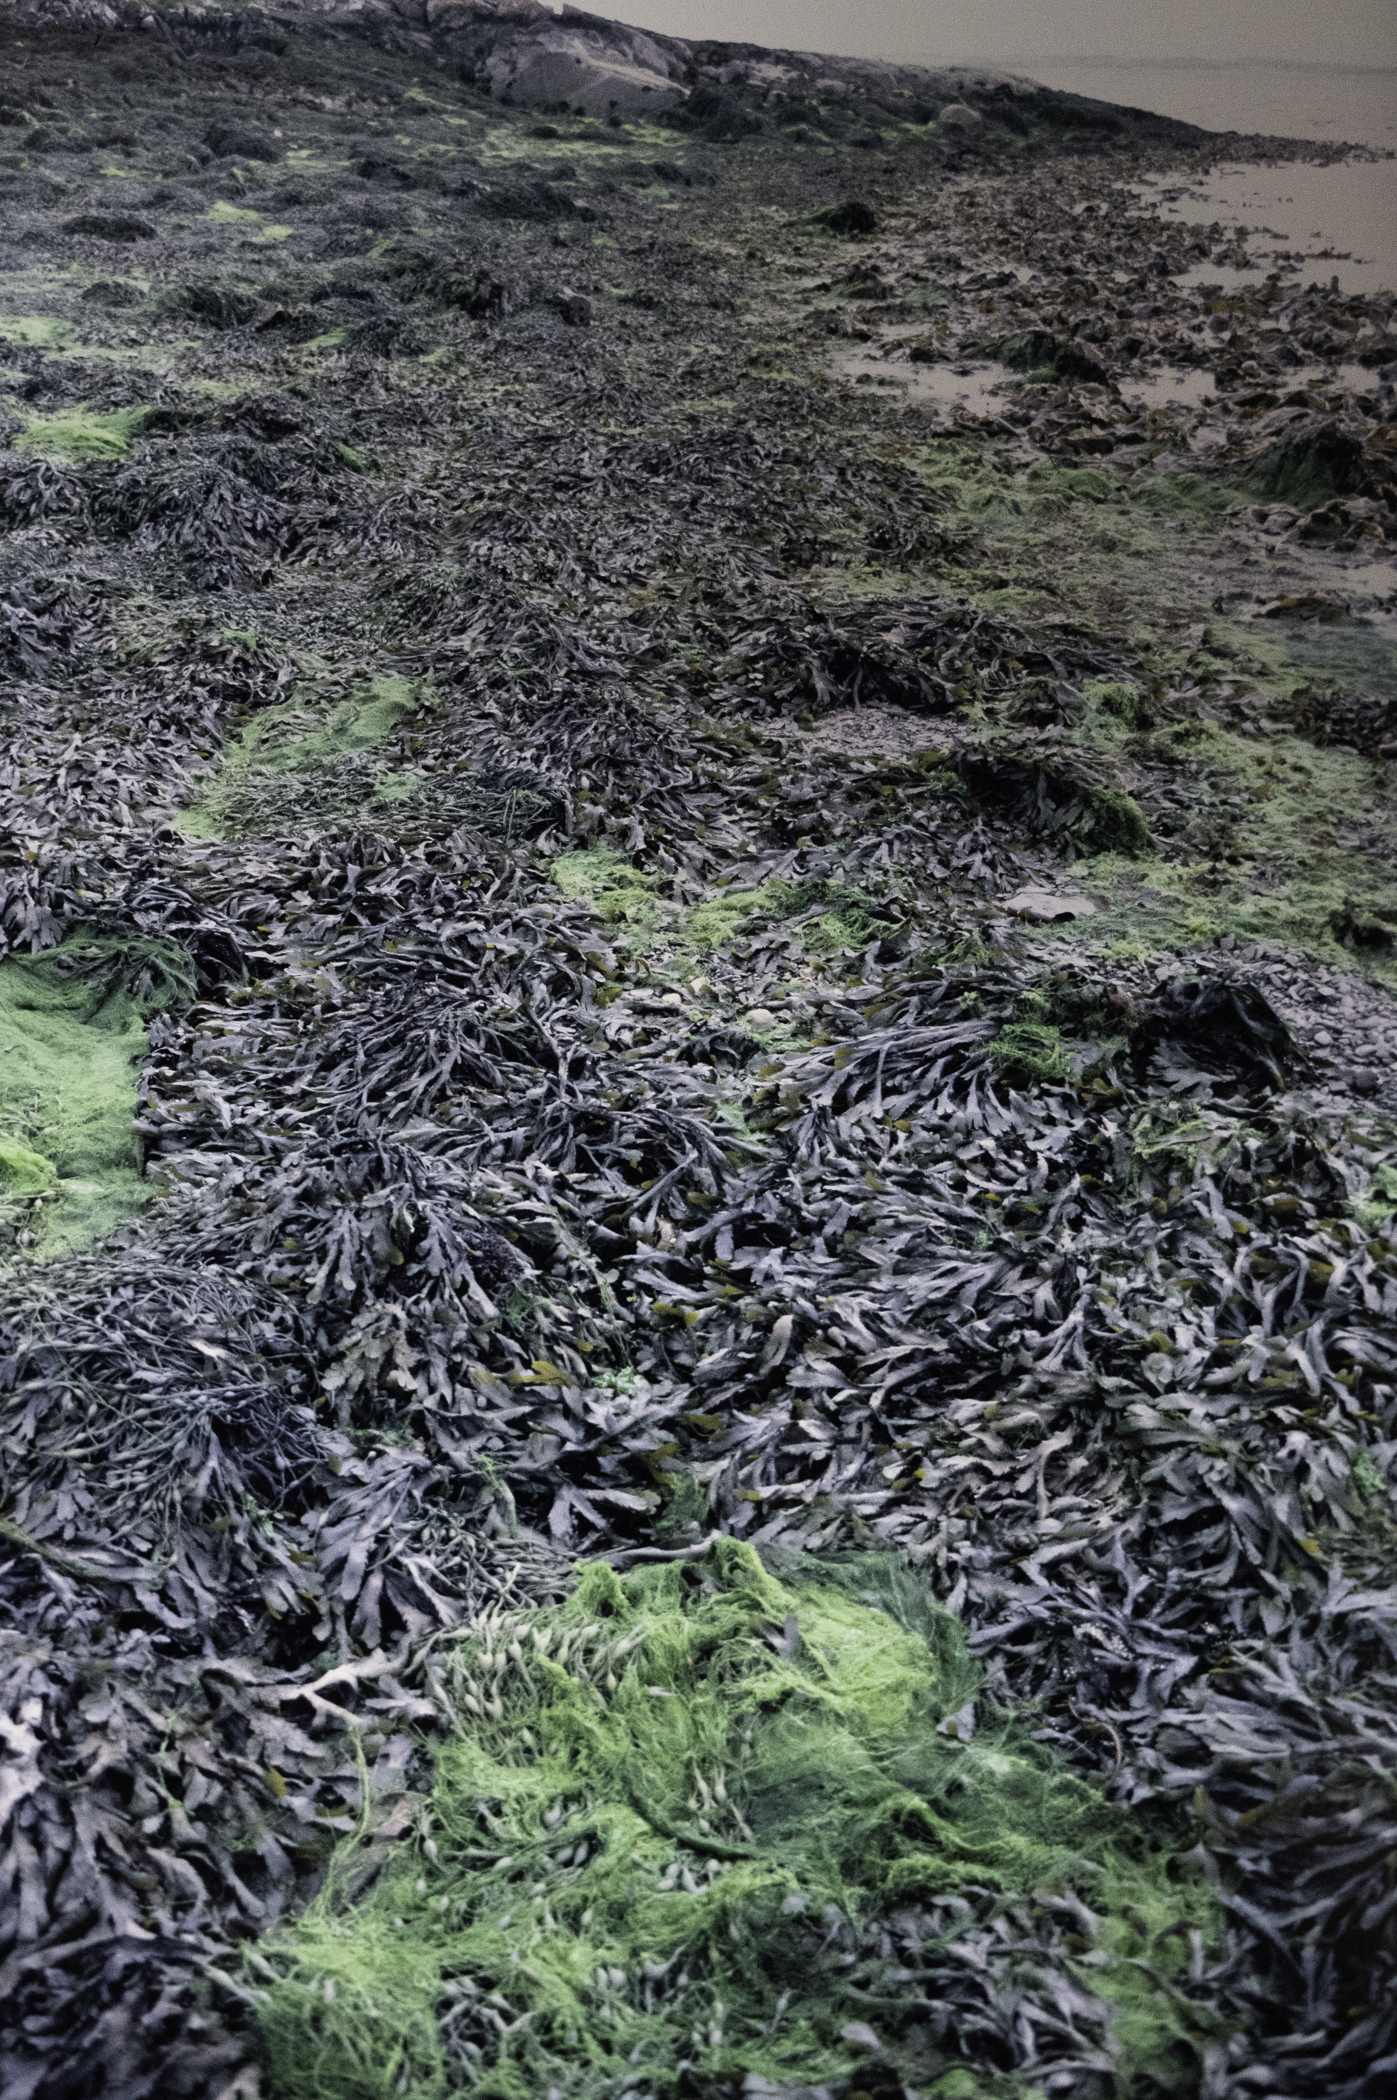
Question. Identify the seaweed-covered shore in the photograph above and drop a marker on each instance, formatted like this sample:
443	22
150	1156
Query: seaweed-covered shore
697	1150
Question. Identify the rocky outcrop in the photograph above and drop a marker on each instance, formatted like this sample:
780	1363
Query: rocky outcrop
528	52
535	56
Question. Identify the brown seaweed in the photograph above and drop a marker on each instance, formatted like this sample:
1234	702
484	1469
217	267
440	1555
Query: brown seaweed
616	1103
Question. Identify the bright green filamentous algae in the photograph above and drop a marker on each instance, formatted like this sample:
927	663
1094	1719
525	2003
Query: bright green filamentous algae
697	1828
72	1039
300	763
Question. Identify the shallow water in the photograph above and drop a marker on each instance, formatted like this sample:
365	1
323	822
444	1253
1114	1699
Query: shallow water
1350	208
976	390
1171	388
981	390
1330	103
1312	224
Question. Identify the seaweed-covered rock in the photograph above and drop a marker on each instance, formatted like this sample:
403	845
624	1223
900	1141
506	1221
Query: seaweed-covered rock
1354	926
1051	791
396	169
1037	349
717	114
271	416
530	200
220	305
1309	466
114	293
852	217
959	116
235	141
1223	1026
110	226
389	335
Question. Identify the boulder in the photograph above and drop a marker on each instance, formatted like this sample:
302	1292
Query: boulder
602	68
1047	907
959	116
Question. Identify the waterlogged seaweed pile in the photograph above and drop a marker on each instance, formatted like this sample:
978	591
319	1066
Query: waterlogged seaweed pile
742	1440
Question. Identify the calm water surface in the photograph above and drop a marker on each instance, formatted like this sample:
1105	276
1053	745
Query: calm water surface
1353	104
1313	223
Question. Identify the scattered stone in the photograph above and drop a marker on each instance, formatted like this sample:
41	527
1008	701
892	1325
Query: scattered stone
1047	907
1306	605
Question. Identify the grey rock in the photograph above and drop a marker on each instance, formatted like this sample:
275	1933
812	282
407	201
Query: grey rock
959	116
1047	907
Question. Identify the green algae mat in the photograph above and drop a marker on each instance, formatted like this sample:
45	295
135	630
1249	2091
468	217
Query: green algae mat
698	1830
299	763
72	1019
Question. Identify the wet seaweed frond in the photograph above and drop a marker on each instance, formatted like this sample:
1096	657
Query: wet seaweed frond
696	1158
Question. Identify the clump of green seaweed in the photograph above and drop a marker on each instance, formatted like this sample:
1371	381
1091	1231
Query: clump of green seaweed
697	1825
75	1022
